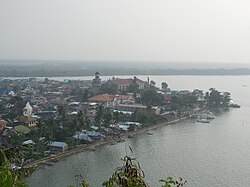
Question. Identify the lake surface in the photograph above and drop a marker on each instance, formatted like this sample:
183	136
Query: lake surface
215	154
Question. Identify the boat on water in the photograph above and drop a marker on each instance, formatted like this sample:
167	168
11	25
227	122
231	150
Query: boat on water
234	105
150	133
54	160
130	136
203	120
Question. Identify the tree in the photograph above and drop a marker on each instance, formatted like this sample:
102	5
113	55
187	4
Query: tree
226	98
85	95
10	177
151	97
107	117
164	85
99	115
108	88
49	132
216	99
129	175
152	83
170	182
19	104
62	113
134	87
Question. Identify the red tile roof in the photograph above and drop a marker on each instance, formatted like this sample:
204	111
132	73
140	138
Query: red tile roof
123	97
126	81
102	98
167	97
122	81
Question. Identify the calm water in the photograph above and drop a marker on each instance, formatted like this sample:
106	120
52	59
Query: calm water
215	154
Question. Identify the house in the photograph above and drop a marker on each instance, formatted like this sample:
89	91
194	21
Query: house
131	108
57	146
25	120
6	92
3	123
22	129
167	98
106	100
45	115
8	132
122	85
124	99
80	135
93	134
28	142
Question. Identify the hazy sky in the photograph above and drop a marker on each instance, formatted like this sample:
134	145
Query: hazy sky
152	30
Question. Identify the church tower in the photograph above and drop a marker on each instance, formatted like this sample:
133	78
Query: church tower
96	83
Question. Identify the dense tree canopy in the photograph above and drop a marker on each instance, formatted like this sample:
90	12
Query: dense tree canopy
150	97
217	99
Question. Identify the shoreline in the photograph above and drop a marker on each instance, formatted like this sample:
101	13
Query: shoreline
55	158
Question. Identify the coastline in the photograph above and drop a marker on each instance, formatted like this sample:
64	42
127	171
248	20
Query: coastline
54	158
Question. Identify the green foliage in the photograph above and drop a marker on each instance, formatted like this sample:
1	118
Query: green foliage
62	113
152	83
170	182
99	115
129	175
8	176
164	85
183	101
146	118
108	88
134	88
107	117
80	182
85	95
150	97
218	99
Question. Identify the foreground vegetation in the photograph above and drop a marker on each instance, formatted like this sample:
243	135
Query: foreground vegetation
129	174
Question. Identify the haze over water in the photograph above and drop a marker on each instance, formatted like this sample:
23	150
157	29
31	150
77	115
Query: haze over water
215	154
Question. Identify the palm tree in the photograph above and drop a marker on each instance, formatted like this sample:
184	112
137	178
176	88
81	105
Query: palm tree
8	176
62	113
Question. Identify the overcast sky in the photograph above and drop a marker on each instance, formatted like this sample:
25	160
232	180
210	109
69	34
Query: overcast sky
135	30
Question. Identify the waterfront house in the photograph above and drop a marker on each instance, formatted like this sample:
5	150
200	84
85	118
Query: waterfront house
93	134
131	108
82	135
57	146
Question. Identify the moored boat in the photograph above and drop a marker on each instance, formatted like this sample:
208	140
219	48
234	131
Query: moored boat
203	120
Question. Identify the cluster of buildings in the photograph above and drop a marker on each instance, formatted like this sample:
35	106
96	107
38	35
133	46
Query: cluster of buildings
25	102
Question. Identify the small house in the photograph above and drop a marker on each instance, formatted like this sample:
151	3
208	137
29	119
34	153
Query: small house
57	146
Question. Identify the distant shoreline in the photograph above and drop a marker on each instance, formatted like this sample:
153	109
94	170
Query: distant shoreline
115	75
73	70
